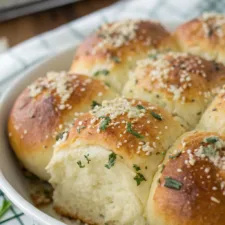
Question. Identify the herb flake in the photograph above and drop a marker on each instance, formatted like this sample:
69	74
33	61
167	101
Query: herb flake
80	128
59	136
86	157
94	103
136	167
101	72
139	178
172	183
131	131
211	140
104	123
140	107
153	56
116	59
209	151
111	161
79	163
156	116
174	156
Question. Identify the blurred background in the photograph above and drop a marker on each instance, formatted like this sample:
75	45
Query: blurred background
23	19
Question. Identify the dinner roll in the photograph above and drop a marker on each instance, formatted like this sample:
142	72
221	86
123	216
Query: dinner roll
189	187
102	172
214	117
183	84
45	109
110	52
204	36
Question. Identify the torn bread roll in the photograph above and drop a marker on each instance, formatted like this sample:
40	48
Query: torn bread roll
181	83
203	36
110	52
44	110
189	186
102	172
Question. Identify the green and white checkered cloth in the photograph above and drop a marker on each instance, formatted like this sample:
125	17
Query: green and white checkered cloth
14	61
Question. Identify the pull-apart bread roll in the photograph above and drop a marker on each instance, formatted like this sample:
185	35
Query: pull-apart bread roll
110	52
103	171
214	117
181	83
44	110
203	36
189	187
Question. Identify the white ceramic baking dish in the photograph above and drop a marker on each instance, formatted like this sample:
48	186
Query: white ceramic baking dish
12	181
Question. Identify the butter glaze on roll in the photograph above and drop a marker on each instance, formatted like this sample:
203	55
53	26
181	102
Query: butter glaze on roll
181	83
44	110
204	36
110	52
103	171
189	187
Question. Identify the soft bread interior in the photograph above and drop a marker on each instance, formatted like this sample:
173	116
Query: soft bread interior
95	193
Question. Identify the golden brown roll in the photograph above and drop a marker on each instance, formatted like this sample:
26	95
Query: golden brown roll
44	110
181	83
204	36
189	187
214	117
103	171
110	52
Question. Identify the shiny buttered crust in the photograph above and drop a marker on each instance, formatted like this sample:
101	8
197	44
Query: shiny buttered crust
189	187
45	109
204	36
127	127
117	146
183	84
110	52
214	117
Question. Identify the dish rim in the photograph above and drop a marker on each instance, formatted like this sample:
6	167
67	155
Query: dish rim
16	198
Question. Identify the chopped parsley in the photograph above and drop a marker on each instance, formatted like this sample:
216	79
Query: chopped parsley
111	161
94	103
209	151
5	207
136	167
139	178
211	140
86	157
80	128
59	136
103	72
156	116
153	56
174	156
107	84
104	123
172	183
116	59
140	107
131	131
79	163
